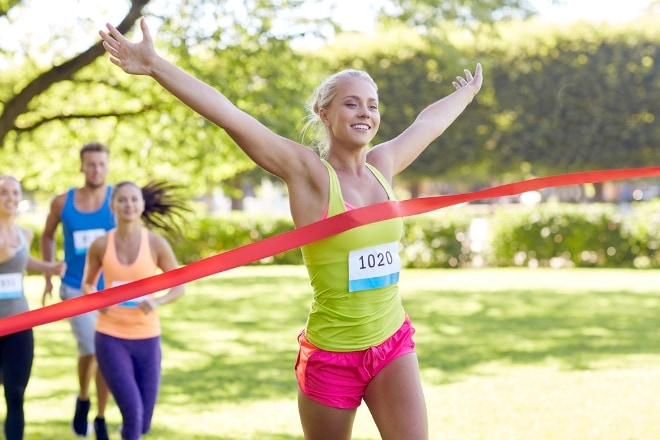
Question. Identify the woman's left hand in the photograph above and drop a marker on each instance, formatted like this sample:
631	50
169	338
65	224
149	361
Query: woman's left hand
148	305
470	80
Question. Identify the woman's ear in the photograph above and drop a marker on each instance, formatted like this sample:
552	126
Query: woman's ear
323	115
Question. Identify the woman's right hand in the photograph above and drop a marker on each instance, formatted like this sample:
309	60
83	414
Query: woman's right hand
57	268
135	58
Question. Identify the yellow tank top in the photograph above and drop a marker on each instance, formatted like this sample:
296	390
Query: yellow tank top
126	320
354	276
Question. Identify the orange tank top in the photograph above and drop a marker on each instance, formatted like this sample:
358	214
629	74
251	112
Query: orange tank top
125	320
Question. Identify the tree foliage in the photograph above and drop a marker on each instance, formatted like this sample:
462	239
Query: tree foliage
51	106
554	99
6	5
583	98
19	104
429	15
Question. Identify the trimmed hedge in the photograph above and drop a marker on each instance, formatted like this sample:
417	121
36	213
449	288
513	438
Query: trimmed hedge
572	235
576	235
437	240
579	235
208	236
583	235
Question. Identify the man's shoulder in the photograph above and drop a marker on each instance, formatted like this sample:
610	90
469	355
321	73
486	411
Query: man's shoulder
58	200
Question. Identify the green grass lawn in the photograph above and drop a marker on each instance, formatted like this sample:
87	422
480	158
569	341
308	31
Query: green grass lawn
504	354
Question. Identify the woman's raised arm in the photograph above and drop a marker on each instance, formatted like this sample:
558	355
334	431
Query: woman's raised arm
276	154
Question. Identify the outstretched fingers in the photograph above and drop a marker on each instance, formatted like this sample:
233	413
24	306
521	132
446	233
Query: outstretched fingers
111	43
464	81
111	39
460	82
133	58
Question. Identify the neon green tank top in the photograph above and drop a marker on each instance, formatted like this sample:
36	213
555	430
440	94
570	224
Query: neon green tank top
354	276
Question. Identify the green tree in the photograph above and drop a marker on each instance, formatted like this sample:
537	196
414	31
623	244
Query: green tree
46	109
32	80
583	98
50	106
431	15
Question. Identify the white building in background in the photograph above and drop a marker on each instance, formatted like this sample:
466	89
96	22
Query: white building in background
269	198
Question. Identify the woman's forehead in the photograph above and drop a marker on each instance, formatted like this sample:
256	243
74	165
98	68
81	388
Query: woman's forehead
356	86
128	188
9	182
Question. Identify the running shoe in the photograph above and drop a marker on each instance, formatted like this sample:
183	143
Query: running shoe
100	429
79	424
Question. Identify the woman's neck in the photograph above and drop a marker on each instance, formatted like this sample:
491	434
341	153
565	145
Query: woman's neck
7	223
126	230
342	160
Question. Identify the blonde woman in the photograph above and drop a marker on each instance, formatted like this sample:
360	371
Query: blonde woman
357	344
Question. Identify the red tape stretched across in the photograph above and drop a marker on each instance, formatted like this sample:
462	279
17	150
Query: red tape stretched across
295	238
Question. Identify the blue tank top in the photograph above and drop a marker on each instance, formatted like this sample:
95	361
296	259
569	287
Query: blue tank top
80	229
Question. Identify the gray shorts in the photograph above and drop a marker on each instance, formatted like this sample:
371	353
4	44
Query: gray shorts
83	325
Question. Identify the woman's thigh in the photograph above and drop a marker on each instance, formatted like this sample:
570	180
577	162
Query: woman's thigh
17	356
320	422
396	400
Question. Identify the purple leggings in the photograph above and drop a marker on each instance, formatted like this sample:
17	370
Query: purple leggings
131	367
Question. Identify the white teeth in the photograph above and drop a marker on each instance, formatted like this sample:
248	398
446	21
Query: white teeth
361	126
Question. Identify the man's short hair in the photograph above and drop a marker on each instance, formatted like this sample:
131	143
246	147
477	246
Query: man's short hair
93	146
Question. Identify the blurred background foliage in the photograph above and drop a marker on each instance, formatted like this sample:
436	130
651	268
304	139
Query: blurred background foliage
556	98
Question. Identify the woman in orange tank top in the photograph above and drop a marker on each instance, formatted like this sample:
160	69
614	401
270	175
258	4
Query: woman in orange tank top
127	335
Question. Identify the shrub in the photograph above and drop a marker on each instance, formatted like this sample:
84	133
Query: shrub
583	235
578	235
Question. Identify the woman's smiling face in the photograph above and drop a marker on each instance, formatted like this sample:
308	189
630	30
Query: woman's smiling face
127	202
10	195
353	115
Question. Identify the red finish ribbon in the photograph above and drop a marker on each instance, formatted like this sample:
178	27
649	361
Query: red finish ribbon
296	238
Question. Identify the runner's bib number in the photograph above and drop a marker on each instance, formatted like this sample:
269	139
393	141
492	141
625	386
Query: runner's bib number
83	239
11	285
373	267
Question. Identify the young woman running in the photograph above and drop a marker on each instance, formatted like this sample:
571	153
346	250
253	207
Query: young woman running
357	344
16	349
127	336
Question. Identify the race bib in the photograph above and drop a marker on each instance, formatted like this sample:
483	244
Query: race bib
83	239
131	303
373	267
11	285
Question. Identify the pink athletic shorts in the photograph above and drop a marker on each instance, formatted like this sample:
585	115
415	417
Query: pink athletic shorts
340	379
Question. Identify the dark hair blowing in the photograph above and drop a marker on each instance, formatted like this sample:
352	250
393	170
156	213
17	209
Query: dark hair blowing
162	203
